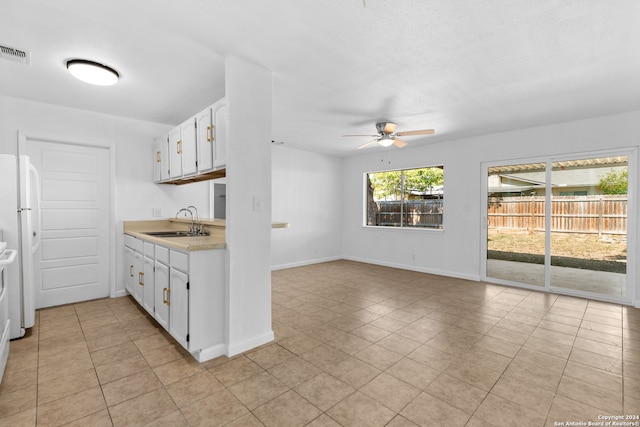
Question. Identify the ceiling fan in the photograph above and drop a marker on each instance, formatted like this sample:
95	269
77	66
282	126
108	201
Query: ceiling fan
388	136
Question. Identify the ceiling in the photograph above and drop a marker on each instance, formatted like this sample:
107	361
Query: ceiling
462	67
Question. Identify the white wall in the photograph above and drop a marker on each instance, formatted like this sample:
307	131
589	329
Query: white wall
131	140
455	251
306	193
248	90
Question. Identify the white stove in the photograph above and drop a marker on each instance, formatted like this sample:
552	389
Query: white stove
6	257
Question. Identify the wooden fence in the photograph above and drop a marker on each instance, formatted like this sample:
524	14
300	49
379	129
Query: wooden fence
601	214
410	213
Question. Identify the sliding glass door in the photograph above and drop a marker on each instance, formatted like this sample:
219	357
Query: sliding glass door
516	223
589	205
561	224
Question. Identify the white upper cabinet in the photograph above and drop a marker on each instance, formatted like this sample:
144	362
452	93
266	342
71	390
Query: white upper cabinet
188	147
161	165
182	149
175	153
206	140
195	150
220	119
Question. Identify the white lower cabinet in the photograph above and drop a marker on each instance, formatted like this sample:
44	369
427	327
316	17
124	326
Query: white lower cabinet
134	267
138	268
129	270
179	306
162	294
183	291
148	287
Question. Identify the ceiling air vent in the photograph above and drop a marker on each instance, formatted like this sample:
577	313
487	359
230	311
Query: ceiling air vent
14	54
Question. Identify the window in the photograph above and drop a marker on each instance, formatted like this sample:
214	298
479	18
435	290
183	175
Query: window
405	198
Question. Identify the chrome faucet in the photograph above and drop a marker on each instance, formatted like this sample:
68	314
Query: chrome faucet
198	228
192	228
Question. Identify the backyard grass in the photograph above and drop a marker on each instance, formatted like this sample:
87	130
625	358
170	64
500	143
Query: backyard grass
572	245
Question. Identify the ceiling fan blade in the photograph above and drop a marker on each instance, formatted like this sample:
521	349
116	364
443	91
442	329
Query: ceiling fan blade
390	127
372	136
417	132
366	144
399	143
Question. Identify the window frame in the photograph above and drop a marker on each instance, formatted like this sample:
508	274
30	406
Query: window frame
401	228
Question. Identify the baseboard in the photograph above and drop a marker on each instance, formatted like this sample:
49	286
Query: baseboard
303	263
209	353
473	277
254	342
120	293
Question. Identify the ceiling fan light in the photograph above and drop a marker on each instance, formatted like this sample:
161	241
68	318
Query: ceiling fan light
385	141
92	72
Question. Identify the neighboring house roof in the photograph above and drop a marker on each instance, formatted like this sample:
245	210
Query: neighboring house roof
435	190
577	173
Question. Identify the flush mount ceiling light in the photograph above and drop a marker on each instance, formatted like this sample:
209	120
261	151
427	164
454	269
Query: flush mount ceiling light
92	72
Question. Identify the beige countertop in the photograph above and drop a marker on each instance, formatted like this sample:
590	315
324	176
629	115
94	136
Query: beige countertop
215	239
223	223
215	227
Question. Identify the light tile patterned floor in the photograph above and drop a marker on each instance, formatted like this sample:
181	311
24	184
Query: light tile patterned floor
356	345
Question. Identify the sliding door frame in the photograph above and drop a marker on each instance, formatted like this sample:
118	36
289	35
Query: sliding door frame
632	292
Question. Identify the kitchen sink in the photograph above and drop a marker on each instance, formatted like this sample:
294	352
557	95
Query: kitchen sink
172	233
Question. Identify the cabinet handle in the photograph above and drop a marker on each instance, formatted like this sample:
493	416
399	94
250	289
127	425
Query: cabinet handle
141	279
213	127
158	157
164	295
179	145
168	296
131	270
210	136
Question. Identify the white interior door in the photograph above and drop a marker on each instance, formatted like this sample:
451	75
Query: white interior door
72	263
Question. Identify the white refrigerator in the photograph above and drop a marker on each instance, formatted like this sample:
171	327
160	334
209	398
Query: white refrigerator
19	222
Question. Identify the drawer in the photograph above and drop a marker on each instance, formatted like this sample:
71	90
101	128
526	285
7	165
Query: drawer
133	243
162	254
149	251
179	260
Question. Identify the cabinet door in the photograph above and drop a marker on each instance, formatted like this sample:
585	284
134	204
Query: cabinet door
138	268
179	306
220	136
161	294
188	147
205	140
160	159
148	289
129	271
157	161
175	153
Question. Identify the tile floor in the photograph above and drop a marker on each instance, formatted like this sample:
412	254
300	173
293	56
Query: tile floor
356	345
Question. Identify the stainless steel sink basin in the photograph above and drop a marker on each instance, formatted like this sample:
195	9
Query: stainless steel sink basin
166	233
172	233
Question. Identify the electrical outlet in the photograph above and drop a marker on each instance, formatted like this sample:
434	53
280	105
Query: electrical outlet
157	212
